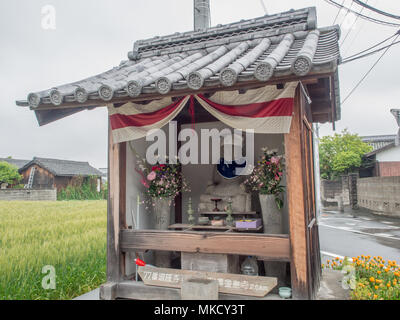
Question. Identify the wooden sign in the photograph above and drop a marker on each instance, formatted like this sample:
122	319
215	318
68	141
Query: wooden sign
228	282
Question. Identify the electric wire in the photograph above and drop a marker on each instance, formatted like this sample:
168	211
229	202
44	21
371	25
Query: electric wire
337	15
368	72
369	53
344	18
356	35
378	21
351	27
365	5
374	46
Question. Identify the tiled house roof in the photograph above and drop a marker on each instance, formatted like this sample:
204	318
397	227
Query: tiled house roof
16	162
64	167
270	47
378	142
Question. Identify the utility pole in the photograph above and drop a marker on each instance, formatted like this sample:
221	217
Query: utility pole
201	14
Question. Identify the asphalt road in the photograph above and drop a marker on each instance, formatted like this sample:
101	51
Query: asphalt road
356	232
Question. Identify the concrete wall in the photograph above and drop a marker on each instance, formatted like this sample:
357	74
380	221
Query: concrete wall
28	194
379	194
332	190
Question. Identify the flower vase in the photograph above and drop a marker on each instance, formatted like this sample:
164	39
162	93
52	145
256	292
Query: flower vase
163	220
272	223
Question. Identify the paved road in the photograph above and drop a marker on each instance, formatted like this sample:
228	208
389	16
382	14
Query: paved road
356	233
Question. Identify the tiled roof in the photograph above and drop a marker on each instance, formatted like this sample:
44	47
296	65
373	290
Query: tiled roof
64	167
16	162
269	47
378	142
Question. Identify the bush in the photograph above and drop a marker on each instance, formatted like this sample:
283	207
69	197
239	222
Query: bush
83	189
376	279
9	173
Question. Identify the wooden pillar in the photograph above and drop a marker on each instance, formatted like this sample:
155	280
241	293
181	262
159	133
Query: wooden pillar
116	210
296	203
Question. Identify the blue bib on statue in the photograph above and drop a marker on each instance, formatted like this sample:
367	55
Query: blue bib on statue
228	169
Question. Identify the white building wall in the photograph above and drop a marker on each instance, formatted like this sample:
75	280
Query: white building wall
392	154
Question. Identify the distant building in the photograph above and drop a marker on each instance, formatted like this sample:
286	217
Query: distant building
104	176
384	159
43	173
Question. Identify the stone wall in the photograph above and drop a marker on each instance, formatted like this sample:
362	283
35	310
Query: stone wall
28	194
379	194
331	190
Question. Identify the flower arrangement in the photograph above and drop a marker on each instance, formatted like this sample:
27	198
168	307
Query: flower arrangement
163	180
267	175
369	278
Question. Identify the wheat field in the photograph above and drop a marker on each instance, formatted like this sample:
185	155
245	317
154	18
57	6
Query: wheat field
69	235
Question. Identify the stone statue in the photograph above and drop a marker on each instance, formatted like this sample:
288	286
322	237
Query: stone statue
225	184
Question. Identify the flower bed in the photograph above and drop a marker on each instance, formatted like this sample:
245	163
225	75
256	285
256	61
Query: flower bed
369	278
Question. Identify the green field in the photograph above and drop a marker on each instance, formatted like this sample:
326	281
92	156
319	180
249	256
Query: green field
69	235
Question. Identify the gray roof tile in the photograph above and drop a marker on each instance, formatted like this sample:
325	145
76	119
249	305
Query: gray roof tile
16	162
64	167
256	49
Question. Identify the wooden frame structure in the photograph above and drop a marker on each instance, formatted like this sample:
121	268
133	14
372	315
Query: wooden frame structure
300	247
302	58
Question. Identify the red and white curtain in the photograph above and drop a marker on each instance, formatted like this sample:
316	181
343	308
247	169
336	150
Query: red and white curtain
265	110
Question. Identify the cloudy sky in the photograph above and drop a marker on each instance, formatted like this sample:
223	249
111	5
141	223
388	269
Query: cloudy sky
91	36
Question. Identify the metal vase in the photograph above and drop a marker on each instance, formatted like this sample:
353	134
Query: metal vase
162	221
272	222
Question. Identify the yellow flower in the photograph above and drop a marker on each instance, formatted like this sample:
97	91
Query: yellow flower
375	296
336	258
376	287
372	279
388	284
379	272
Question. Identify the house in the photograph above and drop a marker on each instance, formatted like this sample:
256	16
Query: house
384	159
44	173
276	74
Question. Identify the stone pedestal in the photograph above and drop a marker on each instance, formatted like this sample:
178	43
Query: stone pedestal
272	222
162	212
226	263
199	289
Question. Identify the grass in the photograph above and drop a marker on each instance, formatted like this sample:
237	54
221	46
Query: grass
69	235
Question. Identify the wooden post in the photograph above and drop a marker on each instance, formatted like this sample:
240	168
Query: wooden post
116	211
296	204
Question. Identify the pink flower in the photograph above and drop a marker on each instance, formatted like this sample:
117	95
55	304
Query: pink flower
151	176
275	160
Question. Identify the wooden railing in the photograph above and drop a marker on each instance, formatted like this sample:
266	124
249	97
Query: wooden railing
269	247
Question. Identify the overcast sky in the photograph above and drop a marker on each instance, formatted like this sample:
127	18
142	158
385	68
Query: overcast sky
92	36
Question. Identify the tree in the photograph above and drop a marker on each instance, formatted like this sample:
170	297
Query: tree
9	173
341	153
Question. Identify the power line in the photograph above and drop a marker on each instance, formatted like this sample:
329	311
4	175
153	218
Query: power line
368	72
369	53
352	25
356	35
374	46
365	5
344	18
378	21
337	15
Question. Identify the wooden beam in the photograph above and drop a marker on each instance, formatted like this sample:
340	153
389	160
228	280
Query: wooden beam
296	206
116	210
275	247
318	106
139	291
